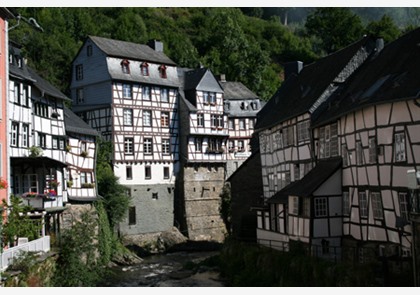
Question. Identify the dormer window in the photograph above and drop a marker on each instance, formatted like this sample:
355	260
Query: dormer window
125	66
162	71
254	105
144	67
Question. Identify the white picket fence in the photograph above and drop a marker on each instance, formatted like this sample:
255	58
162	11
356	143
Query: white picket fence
39	245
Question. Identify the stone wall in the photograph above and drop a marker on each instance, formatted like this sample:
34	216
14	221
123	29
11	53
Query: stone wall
202	186
154	209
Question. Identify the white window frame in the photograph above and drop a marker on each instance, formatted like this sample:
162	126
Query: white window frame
346	203
128	145
164	95
200	120
166	146
148	146
198	143
127	91
146	95
14	137
363	205
320	207
399	147
377	209
128	117
403	201
147	118
242	124
303	131
164	119
231	124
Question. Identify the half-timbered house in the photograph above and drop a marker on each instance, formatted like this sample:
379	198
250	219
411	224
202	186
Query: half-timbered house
376	123
81	151
298	201
37	138
241	106
128	93
203	136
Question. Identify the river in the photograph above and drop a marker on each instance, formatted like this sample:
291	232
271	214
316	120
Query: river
166	270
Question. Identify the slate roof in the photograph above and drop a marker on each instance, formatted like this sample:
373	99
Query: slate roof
310	182
237	90
193	77
299	92
392	75
124	49
75	124
45	87
14	69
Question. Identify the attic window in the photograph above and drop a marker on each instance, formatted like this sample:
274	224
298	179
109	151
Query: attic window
125	66
89	50
144	67
162	71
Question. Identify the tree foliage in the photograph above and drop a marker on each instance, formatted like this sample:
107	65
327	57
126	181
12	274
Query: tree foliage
249	45
77	265
337	27
19	224
385	28
114	195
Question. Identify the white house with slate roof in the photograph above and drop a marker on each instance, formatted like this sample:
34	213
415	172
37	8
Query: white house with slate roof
203	136
128	93
37	139
242	106
81	152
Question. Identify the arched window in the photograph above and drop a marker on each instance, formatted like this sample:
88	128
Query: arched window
162	71
144	67
125	66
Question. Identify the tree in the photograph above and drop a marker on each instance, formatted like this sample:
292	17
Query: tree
337	27
77	264
18	222
385	28
115	199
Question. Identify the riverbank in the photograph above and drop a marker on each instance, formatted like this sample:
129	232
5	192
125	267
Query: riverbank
177	269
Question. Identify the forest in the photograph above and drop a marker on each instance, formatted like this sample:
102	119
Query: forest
249	45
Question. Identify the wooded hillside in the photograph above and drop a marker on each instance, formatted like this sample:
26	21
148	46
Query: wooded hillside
248	45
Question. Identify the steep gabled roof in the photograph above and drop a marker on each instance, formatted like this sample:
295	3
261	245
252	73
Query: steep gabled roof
237	90
299	92
310	182
201	79
130	50
75	124
45	87
392	75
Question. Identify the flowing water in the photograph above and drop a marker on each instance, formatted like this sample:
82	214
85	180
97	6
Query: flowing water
166	270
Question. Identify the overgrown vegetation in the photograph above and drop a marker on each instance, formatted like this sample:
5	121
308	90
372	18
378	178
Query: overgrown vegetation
77	264
250	265
113	195
19	224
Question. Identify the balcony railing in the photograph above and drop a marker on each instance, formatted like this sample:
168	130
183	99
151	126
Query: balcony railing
38	245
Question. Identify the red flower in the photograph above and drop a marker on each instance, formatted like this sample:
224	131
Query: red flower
3	183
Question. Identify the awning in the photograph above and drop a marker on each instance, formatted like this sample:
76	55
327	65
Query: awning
309	183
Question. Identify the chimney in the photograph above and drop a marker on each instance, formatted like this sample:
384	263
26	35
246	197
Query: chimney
156	45
293	67
222	78
379	44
